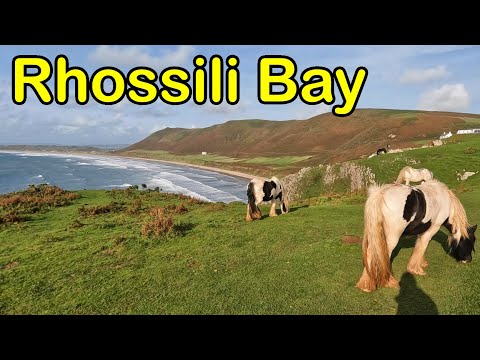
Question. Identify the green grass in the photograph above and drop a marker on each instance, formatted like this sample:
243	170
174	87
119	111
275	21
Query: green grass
460	152
210	158
281	161
192	159
472	120
214	262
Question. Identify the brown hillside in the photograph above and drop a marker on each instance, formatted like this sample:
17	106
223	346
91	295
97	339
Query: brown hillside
326	137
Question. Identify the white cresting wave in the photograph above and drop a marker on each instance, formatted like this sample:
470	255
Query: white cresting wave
169	178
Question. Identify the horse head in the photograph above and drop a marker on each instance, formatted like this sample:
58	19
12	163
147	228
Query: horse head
462	251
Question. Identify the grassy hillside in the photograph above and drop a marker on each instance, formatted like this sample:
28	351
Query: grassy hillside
459	153
322	139
145	252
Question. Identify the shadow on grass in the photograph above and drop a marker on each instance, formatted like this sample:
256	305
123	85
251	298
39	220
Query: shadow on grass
183	228
279	212
412	300
409	242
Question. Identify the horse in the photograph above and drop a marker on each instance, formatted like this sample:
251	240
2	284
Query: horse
409	174
262	191
383	150
396	210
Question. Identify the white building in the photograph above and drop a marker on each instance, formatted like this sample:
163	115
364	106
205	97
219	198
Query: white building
445	135
469	131
204	153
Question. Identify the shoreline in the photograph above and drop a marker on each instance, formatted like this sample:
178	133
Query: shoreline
178	163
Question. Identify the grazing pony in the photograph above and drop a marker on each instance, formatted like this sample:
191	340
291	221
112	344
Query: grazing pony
383	150
409	174
259	191
395	210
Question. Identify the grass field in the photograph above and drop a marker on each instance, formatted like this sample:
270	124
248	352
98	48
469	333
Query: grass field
97	252
460	153
261	166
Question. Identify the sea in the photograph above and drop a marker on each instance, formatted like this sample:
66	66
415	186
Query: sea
77	172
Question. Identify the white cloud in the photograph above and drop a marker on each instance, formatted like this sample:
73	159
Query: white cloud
416	76
156	128
131	56
449	97
223	108
66	129
309	111
80	121
440	49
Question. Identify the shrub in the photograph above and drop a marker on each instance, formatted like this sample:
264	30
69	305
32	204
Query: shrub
159	226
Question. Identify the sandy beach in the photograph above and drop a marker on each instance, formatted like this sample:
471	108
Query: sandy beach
209	168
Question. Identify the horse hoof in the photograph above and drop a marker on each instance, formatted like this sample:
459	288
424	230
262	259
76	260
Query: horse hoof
366	285
417	271
392	283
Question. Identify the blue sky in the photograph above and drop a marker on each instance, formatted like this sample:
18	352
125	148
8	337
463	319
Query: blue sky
426	77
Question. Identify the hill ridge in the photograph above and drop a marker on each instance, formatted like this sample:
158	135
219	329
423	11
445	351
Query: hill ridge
324	137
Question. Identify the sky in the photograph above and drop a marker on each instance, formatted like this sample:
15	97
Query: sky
409	77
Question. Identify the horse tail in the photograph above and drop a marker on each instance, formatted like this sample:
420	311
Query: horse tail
285	205
401	176
458	216
253	211
284	201
251	197
374	240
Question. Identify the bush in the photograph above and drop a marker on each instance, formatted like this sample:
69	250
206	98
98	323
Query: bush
161	225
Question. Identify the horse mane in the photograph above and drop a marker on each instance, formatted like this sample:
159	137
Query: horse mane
458	216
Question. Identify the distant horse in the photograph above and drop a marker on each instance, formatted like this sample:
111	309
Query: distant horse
259	191
383	150
409	174
396	210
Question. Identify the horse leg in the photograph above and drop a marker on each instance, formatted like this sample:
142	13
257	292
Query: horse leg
257	214
417	261
249	214
392	242
365	283
273	212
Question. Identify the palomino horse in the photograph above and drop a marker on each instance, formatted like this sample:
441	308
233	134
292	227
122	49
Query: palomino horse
395	210
409	174
259	191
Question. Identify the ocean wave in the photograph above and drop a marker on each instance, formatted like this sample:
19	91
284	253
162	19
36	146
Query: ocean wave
122	186
196	186
169	186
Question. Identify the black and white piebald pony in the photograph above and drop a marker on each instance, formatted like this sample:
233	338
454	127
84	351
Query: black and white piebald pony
383	150
396	210
262	191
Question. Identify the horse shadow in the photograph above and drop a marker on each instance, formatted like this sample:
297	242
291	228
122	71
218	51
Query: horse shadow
279	212
409	242
412	300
